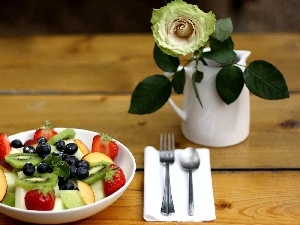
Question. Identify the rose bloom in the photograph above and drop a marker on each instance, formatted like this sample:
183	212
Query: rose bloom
180	28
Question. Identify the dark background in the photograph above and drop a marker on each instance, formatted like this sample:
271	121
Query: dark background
43	17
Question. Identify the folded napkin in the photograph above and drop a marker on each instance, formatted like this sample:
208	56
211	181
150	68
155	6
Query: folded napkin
154	179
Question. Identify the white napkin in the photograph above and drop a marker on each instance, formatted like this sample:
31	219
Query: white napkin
154	178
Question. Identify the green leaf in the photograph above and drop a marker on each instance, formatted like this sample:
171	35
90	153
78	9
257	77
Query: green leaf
52	159
224	56
223	29
62	169
229	82
150	94
219	45
178	81
198	76
265	80
194	77
59	167
165	62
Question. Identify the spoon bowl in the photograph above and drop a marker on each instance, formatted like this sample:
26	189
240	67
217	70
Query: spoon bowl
190	160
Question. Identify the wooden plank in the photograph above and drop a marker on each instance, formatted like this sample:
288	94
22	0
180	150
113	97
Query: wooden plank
74	63
257	197
269	145
114	63
240	198
87	81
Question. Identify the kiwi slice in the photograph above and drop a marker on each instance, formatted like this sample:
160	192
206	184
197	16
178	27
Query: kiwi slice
67	133
38	181
9	199
17	160
97	171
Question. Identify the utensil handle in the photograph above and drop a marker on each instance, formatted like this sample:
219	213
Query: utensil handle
191	194
167	207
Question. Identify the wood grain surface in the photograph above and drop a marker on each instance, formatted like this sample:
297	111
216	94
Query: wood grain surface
114	63
86	82
271	143
241	198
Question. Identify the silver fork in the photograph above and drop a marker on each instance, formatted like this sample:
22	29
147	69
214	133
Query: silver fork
167	157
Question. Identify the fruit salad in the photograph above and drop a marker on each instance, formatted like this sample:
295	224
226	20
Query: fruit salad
57	171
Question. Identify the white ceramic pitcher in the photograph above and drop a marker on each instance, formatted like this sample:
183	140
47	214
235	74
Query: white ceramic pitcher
216	124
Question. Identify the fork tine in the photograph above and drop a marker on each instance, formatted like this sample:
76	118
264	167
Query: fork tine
166	142
171	144
171	147
163	142
169	141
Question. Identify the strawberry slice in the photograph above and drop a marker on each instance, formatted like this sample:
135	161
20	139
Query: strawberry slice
4	145
45	131
105	144
114	179
39	200
5	166
30	142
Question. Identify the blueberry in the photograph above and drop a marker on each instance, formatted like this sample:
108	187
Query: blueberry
83	163
60	145
82	173
43	149
41	140
28	169
29	149
62	181
71	160
71	148
50	169
43	167
62	155
16	143
73	171
68	186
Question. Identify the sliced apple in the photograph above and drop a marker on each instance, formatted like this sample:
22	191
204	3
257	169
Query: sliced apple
96	157
3	186
86	191
82	147
78	154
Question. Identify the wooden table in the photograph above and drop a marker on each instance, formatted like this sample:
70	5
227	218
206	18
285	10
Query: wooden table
86	82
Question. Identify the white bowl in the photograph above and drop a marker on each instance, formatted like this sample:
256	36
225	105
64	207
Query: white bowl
124	159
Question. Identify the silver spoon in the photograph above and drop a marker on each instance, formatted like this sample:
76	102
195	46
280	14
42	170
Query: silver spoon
190	161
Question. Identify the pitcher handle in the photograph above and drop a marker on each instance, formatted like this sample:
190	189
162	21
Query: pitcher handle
181	113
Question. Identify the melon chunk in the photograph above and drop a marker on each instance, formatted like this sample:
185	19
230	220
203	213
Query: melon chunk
59	205
98	190
11	181
71	198
19	198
